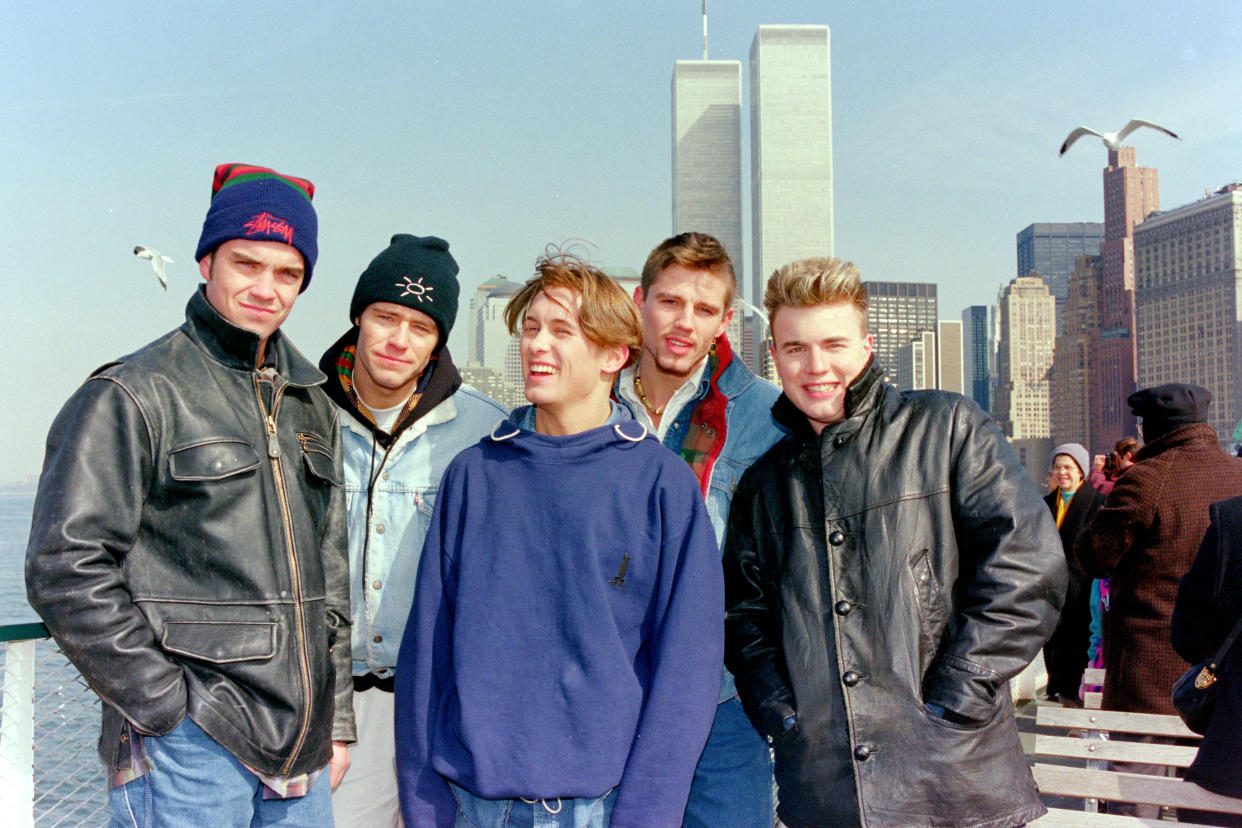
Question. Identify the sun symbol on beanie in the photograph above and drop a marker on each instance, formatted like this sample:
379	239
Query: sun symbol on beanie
415	288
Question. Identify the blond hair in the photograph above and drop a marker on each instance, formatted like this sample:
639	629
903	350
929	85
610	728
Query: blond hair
694	251
816	281
607	316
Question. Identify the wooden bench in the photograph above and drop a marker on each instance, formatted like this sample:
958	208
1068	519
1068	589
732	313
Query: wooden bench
1090	777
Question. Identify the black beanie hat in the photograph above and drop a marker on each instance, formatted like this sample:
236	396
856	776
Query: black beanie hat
415	271
1167	407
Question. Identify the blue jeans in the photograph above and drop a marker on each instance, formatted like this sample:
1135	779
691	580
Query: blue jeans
583	812
194	781
732	785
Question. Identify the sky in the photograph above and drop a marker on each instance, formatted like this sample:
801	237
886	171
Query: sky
507	126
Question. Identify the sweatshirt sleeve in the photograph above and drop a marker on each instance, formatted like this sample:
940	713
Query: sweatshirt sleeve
684	656
424	669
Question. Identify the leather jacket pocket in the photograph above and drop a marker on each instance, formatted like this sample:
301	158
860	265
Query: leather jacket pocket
213	459
317	454
933	615
220	642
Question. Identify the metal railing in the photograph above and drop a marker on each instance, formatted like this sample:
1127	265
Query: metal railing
50	774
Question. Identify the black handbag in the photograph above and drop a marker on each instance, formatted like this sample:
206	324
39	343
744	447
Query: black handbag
1194	694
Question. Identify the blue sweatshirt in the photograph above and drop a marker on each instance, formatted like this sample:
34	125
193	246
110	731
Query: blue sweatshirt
566	635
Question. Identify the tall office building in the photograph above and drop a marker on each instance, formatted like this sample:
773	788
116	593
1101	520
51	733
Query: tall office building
916	363
707	152
492	347
790	148
1027	314
976	355
898	313
1071	360
1051	249
484	320
932	359
1188	301
1130	194
949	373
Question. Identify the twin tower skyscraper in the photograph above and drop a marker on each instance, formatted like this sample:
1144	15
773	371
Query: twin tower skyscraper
790	150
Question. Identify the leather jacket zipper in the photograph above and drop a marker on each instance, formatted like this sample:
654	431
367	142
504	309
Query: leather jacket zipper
273	453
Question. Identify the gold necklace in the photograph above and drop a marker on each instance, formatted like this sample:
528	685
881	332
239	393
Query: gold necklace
638	386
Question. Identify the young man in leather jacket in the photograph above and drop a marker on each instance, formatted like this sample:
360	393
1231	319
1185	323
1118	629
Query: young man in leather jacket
889	566
188	550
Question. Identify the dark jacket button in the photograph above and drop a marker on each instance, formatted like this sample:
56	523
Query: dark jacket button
843	607
862	752
850	678
838	441
837	537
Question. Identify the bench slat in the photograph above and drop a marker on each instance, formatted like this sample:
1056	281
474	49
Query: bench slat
1113	720
1130	787
1093	675
1063	818
1179	756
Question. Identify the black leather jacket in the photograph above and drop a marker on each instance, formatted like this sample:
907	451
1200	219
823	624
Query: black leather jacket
901	557
188	550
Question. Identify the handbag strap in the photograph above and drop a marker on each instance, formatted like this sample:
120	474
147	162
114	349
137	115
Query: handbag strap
1228	642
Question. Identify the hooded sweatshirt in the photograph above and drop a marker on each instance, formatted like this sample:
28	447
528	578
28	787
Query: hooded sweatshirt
567	629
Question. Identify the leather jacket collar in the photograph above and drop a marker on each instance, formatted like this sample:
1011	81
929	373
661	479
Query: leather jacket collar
860	397
238	348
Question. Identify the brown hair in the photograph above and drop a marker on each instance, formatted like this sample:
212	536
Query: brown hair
696	251
1126	445
817	281
607	317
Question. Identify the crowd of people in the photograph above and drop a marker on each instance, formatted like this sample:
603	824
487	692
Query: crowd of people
663	593
1136	530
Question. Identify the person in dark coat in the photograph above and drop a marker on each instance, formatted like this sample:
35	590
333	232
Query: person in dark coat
1146	536
1209	603
1073	505
888	568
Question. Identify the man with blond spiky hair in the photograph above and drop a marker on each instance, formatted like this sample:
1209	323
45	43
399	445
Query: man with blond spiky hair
562	658
888	567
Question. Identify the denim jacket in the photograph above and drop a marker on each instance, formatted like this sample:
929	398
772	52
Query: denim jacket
384	551
749	433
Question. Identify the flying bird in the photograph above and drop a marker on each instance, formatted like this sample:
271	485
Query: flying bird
157	260
1113	140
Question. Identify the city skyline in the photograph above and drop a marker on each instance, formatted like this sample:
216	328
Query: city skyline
503	128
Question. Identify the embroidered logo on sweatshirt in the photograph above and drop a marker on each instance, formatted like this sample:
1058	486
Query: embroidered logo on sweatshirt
619	580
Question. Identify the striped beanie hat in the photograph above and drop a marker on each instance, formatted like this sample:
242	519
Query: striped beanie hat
249	202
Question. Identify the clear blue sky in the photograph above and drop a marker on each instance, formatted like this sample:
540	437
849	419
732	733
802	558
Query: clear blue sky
504	126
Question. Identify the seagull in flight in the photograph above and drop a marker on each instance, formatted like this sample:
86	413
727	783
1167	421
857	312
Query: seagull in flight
1113	140
157	260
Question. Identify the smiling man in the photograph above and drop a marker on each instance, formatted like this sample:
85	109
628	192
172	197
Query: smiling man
888	567
187	548
564	649
707	406
404	415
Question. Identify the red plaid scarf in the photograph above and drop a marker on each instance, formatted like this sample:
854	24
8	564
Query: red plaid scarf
705	438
